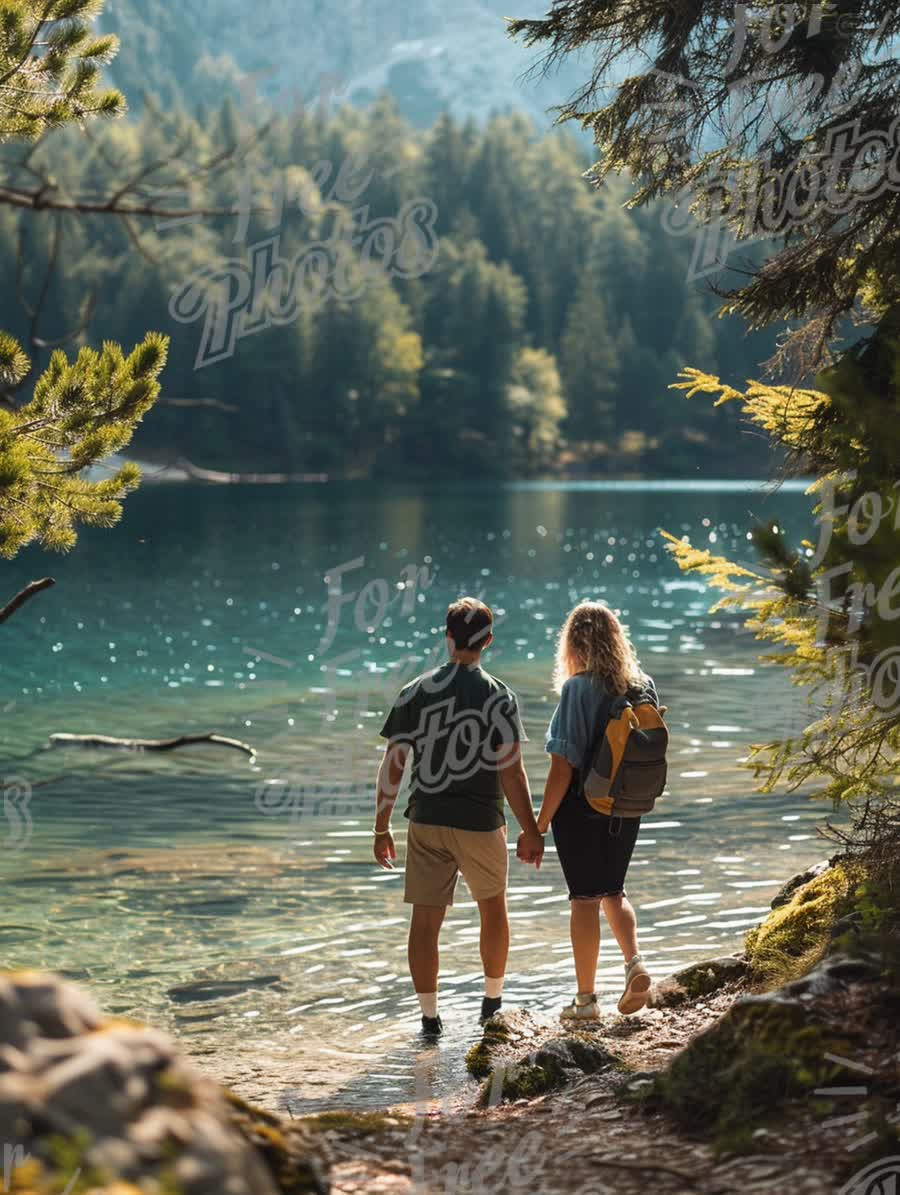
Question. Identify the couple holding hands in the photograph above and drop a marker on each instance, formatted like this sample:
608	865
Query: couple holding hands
463	730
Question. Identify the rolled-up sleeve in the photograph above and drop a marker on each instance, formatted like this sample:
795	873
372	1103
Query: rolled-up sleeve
568	733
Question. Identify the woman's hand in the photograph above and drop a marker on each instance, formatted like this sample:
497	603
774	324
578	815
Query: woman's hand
530	847
384	850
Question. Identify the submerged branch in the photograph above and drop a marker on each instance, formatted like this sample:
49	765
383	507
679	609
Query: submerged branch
24	596
184	740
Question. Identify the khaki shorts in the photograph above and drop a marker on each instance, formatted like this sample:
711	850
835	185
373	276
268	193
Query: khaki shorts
435	855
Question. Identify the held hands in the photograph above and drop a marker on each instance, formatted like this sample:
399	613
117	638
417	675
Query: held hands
530	847
384	851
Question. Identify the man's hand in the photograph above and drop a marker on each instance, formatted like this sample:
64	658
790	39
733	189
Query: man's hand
530	847
384	851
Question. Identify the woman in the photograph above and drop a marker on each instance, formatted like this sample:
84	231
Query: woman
595	663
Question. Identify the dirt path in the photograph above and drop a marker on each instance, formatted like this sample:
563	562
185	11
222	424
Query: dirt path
584	1138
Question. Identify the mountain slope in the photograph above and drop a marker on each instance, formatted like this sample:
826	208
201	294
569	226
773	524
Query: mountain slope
431	56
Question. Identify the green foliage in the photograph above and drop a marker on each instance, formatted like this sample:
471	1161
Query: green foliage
421	376
80	413
723	109
50	66
833	627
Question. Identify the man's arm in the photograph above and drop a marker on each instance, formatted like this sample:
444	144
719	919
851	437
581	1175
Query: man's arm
390	777
514	782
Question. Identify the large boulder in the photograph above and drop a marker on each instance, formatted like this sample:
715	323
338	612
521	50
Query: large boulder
112	1102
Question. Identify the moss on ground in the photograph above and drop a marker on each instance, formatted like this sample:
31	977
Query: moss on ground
354	1124
769	1049
742	1070
796	936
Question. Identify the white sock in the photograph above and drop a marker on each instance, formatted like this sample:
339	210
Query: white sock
493	988
583	998
428	1003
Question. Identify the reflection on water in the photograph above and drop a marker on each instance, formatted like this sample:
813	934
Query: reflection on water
235	901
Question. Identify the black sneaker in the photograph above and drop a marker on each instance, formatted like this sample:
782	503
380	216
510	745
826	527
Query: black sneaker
490	1006
432	1026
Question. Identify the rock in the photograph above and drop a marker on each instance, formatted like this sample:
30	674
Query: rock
850	924
556	1063
765	1050
500	1035
697	980
203	991
115	1099
833	972
797	881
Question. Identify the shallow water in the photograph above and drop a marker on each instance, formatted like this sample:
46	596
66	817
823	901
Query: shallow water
234	901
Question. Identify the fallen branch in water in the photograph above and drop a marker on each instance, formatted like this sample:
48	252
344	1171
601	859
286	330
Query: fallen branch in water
24	596
184	740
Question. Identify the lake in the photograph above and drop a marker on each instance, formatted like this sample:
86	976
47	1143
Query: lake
234	901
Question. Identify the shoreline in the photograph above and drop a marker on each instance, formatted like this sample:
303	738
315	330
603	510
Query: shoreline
733	1079
184	471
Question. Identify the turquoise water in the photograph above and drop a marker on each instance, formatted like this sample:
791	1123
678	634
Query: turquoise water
233	901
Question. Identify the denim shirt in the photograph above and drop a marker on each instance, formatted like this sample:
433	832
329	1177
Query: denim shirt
581	716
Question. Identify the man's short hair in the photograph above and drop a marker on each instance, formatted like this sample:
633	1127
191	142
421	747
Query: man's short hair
469	623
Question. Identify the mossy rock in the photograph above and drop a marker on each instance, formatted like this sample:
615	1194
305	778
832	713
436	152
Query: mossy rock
698	980
481	1057
552	1066
763	1052
798	881
285	1147
796	935
521	1081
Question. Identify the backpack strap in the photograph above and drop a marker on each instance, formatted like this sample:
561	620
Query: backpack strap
610	754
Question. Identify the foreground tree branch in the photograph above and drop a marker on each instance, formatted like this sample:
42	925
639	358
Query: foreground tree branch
24	596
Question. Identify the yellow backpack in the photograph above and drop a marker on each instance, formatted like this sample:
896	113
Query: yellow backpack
628	770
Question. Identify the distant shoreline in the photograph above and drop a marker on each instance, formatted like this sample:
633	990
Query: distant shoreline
184	471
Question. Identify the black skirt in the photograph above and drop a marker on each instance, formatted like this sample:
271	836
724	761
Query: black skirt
594	849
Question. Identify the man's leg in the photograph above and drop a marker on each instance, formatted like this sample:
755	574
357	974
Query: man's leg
584	928
483	859
424	930
622	921
494	936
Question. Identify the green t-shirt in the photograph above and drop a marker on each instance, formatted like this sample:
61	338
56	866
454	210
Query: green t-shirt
456	719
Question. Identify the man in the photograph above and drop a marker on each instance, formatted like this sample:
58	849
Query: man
464	731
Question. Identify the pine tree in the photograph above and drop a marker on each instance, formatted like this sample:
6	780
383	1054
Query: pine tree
589	362
830	612
79	412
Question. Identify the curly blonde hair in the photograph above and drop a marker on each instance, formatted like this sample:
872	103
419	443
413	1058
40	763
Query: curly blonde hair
593	640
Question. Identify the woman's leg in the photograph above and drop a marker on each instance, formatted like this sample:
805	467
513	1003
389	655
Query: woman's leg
585	930
622	921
